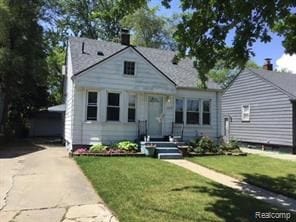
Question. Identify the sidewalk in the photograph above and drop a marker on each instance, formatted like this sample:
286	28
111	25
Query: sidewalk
256	192
273	154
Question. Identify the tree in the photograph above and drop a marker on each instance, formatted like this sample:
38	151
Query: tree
206	25
91	18
149	29
223	76
55	61
23	70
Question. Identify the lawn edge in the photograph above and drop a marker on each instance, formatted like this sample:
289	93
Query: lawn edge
245	180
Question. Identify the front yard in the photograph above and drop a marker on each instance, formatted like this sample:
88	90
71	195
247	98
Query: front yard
144	189
270	173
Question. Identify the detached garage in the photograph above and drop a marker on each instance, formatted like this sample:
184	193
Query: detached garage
48	123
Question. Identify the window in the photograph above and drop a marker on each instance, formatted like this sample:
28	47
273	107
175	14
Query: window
129	68
192	112
206	112
131	108
113	107
179	111
92	108
246	112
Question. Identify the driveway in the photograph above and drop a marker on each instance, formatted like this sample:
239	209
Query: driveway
41	183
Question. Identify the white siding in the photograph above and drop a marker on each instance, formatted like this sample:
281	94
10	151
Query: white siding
108	77
271	111
69	101
212	130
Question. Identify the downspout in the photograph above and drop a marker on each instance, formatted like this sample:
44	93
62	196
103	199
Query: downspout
293	126
217	117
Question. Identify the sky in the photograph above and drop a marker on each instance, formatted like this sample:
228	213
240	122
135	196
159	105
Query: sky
273	49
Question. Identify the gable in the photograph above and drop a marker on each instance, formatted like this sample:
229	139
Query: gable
109	74
249	84
87	53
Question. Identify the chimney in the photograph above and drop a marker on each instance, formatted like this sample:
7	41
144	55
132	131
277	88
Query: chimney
125	37
268	65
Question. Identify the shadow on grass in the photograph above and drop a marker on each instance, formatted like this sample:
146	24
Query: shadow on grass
19	148
231	205
285	185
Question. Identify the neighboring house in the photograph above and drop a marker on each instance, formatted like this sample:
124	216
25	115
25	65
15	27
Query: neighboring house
259	107
111	88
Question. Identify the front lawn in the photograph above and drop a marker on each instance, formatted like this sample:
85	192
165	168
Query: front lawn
270	173
144	189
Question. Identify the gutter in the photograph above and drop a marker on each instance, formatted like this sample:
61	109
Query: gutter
199	89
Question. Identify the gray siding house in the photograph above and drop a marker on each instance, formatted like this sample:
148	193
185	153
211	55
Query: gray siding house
259	107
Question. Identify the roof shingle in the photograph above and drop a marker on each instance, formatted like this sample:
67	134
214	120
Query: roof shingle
283	80
183	74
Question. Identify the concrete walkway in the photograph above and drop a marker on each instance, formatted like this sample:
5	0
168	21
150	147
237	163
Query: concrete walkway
40	183
256	192
273	154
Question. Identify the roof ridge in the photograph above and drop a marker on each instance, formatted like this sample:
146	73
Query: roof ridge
272	83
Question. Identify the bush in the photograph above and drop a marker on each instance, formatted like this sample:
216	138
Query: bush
232	145
194	142
127	146
206	144
98	148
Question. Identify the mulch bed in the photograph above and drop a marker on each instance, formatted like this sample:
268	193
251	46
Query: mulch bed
108	154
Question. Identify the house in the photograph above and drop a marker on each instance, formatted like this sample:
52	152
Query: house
113	88
259	108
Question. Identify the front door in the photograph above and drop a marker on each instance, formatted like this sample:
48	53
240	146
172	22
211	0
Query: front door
155	116
226	129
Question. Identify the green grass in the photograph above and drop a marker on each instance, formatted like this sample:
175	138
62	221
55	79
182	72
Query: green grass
270	173
144	189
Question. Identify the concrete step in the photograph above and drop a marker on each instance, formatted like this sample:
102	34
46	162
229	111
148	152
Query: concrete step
166	150
170	156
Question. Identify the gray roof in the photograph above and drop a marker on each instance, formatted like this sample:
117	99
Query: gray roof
183	74
285	81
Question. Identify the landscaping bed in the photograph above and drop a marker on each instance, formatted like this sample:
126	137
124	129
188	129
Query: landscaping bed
204	146
272	174
146	189
139	154
123	148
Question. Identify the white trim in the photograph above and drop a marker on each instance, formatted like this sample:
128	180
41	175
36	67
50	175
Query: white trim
86	105
129	75
199	111
245	112
128	95
210	111
183	119
120	108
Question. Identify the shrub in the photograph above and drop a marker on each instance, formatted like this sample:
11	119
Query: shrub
206	144
194	142
127	146
198	150
98	148
232	145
